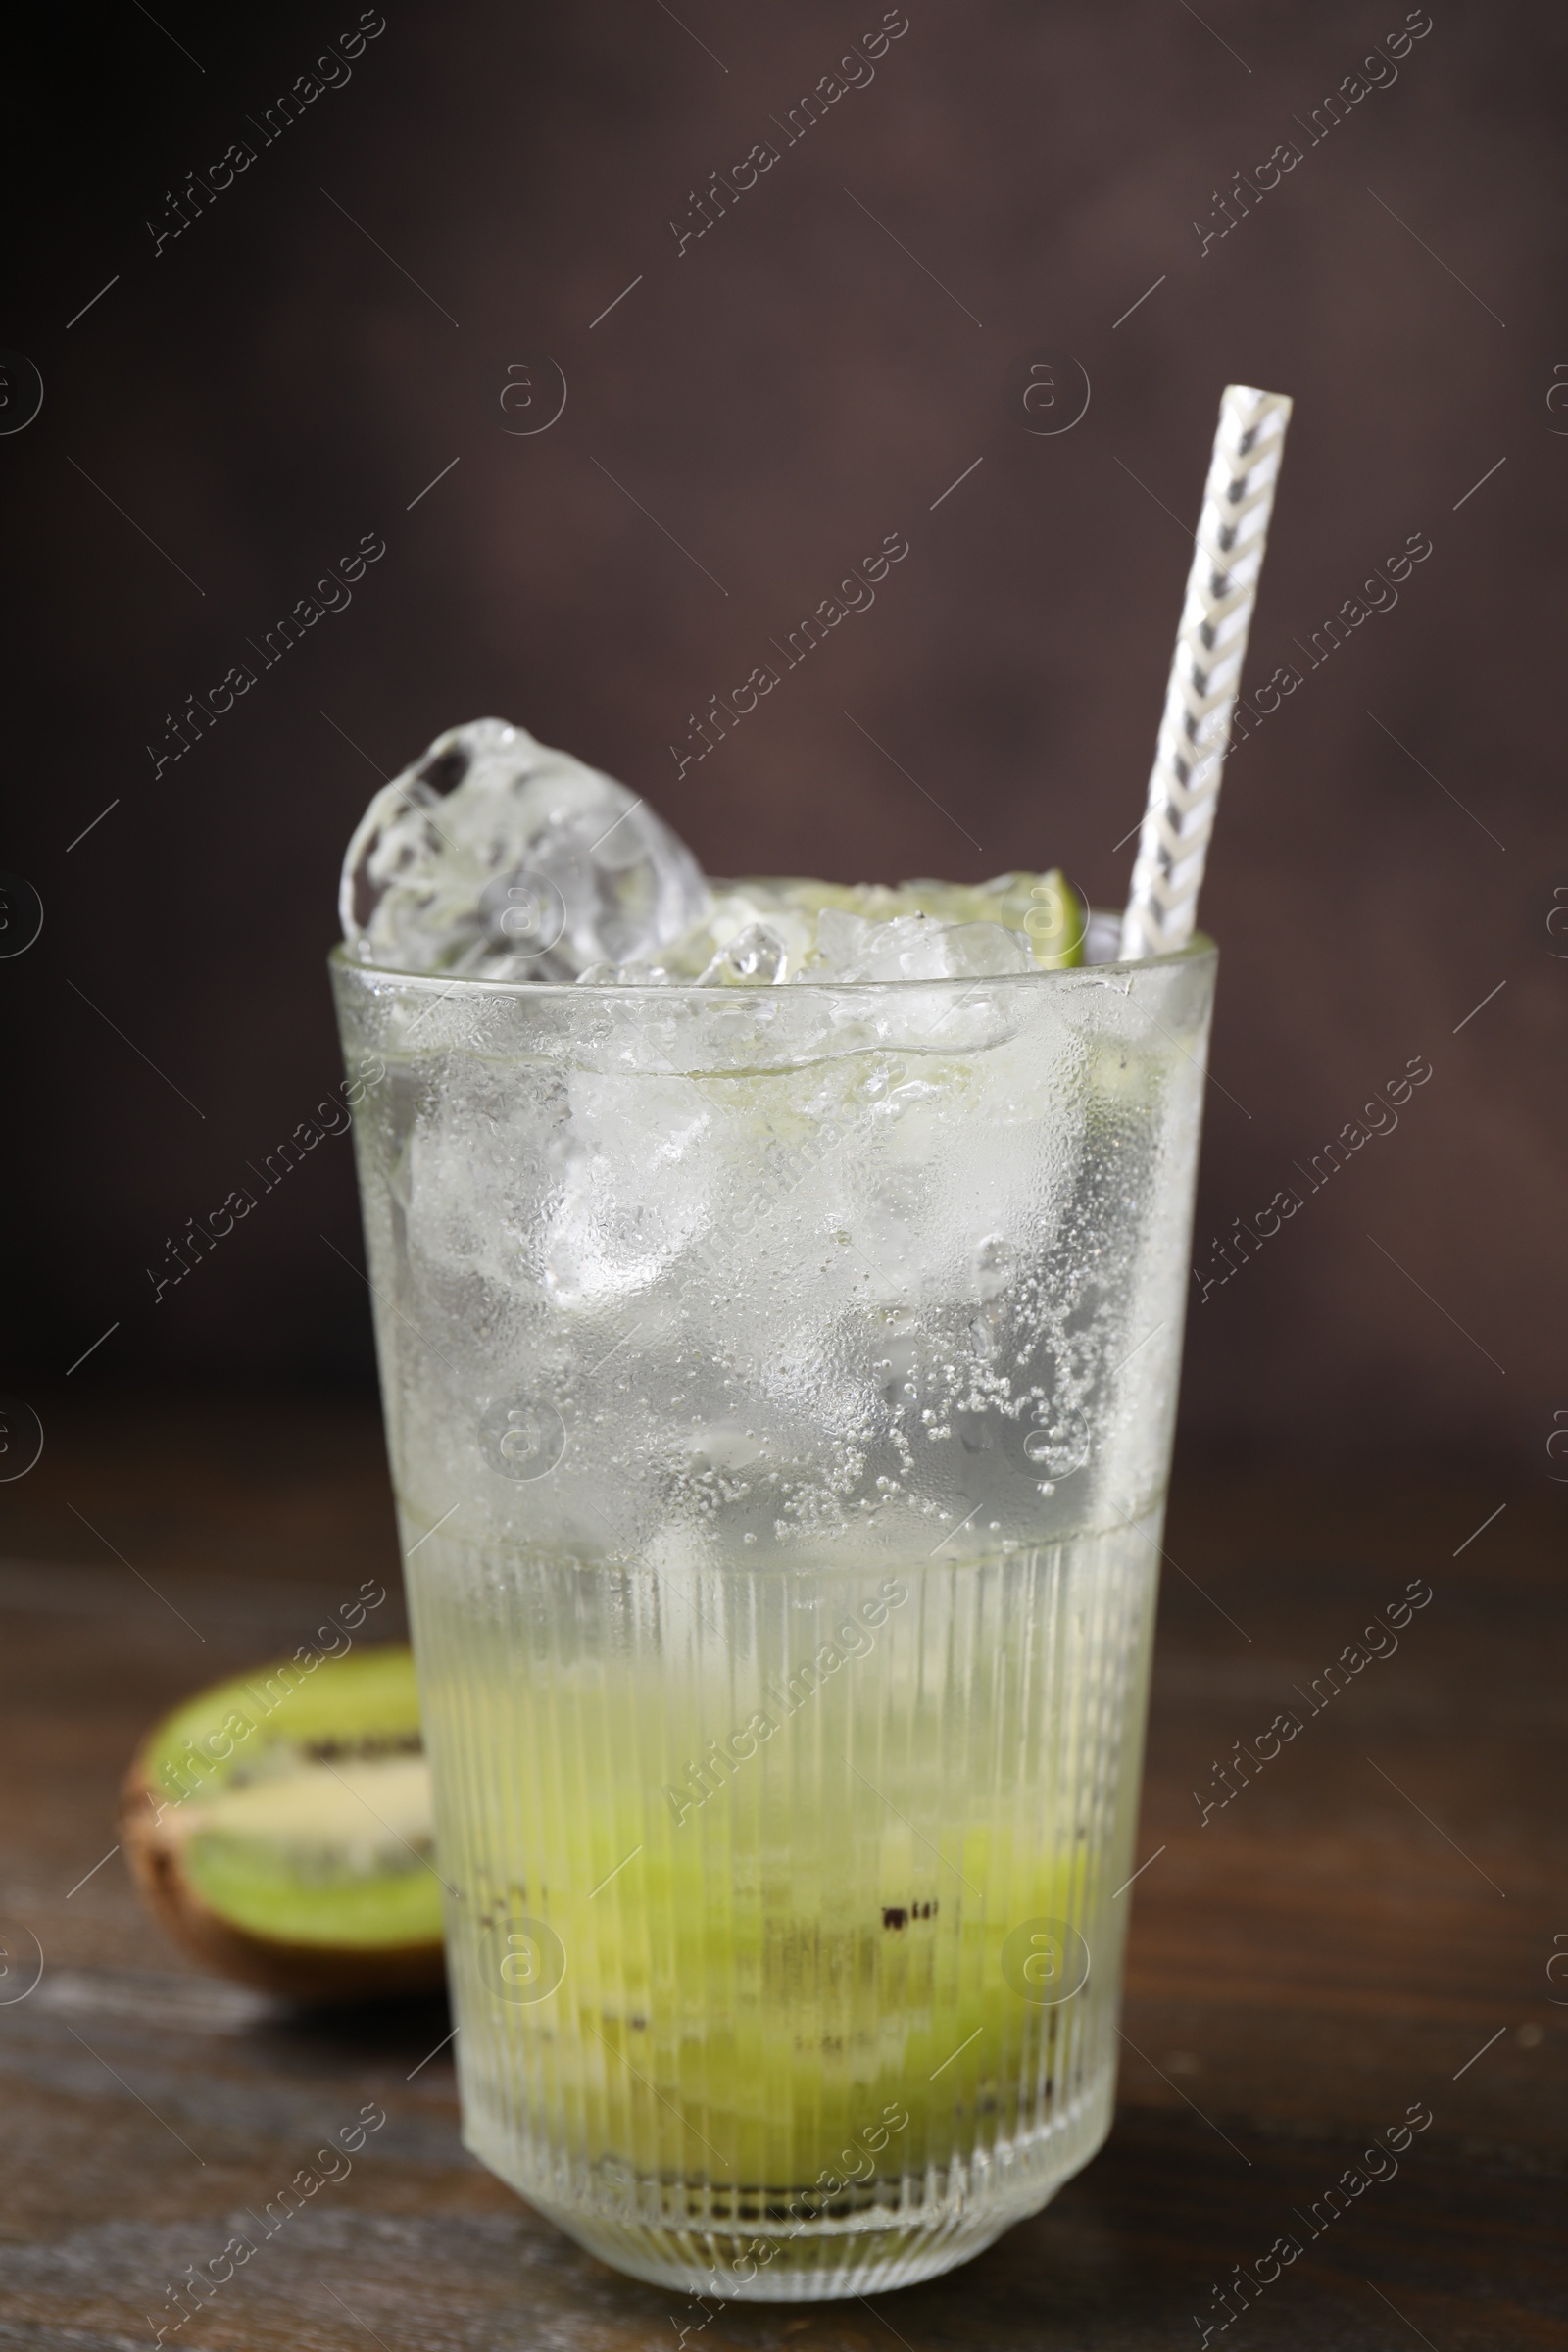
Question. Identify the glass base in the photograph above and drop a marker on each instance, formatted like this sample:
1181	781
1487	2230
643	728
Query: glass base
805	2270
777	2260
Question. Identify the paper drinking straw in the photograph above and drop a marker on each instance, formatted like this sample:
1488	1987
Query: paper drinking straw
1195	730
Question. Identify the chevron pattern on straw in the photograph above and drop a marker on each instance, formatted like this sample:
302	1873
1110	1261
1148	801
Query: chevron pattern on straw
1211	648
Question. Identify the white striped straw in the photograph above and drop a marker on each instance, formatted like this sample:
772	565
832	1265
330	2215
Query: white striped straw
1210	647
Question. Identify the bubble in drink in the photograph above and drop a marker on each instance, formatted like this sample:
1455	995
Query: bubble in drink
779	1331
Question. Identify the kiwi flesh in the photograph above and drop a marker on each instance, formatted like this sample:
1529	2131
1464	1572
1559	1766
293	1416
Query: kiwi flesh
280	1826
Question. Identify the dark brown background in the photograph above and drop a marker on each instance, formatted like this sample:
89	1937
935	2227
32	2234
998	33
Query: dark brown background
790	389
1381	1919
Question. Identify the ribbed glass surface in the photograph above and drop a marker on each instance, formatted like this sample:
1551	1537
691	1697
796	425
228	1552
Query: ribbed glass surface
779	1386
785	1932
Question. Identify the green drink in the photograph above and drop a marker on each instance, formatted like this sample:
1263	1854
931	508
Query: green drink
779	1382
796	1961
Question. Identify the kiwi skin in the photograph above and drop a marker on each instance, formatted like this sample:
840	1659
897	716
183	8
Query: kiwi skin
306	1973
298	1972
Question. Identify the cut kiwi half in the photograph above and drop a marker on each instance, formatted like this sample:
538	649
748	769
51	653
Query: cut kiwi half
280	1826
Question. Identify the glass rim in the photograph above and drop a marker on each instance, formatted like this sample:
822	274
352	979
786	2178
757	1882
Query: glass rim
1199	947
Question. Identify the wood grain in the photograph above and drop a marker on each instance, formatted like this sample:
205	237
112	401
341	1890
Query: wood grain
1332	1947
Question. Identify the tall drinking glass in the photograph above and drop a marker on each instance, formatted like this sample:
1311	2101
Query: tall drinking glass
779	1386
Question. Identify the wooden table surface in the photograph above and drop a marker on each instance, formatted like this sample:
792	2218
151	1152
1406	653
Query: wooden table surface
1366	1928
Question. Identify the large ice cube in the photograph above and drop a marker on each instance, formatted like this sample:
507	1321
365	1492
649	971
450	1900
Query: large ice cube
494	857
498	858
